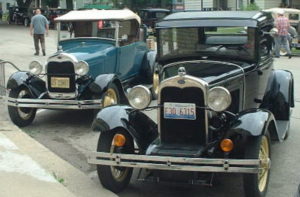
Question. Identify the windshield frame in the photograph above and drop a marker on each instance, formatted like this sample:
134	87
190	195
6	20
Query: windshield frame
202	55
116	34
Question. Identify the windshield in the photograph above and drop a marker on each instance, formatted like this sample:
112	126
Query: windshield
100	29
231	42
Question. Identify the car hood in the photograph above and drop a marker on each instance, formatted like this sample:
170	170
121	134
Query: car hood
87	49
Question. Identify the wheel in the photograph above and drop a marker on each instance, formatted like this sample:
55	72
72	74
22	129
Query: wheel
256	185
111	96
26	22
19	115
115	179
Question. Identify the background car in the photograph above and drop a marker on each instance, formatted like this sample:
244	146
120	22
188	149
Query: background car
53	13
102	55
220	103
152	15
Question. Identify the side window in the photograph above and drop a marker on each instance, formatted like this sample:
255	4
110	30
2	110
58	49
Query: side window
129	32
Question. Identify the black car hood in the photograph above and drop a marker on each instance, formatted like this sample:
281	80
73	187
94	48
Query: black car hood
210	71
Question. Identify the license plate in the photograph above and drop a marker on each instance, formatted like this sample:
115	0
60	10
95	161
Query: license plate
60	82
185	111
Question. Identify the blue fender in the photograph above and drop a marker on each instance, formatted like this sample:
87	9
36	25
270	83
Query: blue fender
279	96
34	84
113	118
101	83
255	122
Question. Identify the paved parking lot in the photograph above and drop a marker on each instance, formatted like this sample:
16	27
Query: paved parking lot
68	133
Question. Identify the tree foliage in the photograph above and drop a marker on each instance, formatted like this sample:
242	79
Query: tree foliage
24	4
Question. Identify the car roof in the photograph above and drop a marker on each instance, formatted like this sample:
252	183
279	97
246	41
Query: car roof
214	18
155	10
94	15
214	14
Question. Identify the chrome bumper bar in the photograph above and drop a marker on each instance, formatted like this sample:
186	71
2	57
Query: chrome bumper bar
54	104
179	163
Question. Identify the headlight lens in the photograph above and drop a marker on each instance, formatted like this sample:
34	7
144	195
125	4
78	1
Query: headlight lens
219	99
35	67
139	97
82	68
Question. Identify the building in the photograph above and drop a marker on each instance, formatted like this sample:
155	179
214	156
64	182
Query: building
236	4
5	4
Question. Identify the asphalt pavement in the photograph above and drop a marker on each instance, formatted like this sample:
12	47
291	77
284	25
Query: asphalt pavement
68	135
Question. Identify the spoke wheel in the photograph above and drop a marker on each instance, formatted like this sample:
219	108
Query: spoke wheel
264	154
256	185
21	116
111	96
114	178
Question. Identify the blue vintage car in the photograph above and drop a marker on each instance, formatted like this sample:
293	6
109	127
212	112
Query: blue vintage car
102	53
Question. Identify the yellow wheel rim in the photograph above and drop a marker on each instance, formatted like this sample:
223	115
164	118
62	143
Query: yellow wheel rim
264	156
155	83
110	98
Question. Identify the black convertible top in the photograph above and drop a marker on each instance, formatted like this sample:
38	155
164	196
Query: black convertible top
215	18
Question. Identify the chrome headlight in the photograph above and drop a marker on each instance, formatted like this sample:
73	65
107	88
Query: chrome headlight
219	98
139	97
35	67
82	68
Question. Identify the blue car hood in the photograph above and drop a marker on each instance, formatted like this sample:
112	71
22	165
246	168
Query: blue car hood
86	49
96	52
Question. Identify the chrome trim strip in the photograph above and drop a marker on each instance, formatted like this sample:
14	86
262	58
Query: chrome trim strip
190	81
54	104
178	163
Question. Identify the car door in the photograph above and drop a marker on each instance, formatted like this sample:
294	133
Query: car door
130	52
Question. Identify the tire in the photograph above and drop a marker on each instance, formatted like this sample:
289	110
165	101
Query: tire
21	116
111	96
254	187
108	174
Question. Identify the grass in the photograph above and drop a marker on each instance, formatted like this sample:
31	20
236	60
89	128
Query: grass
60	180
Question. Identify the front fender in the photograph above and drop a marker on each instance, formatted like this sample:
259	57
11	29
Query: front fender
255	122
102	82
136	123
36	85
279	95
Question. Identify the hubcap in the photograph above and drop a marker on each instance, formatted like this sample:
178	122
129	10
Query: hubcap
264	156
24	113
110	98
119	174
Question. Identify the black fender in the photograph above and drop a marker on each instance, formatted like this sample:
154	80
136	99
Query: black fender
279	96
113	118
34	84
254	122
147	68
101	83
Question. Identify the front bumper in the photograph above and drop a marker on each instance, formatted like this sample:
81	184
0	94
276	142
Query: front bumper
179	163
54	104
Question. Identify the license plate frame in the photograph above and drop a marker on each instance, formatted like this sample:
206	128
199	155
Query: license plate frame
181	111
60	82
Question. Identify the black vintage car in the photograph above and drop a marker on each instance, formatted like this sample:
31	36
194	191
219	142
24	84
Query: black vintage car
151	16
220	103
